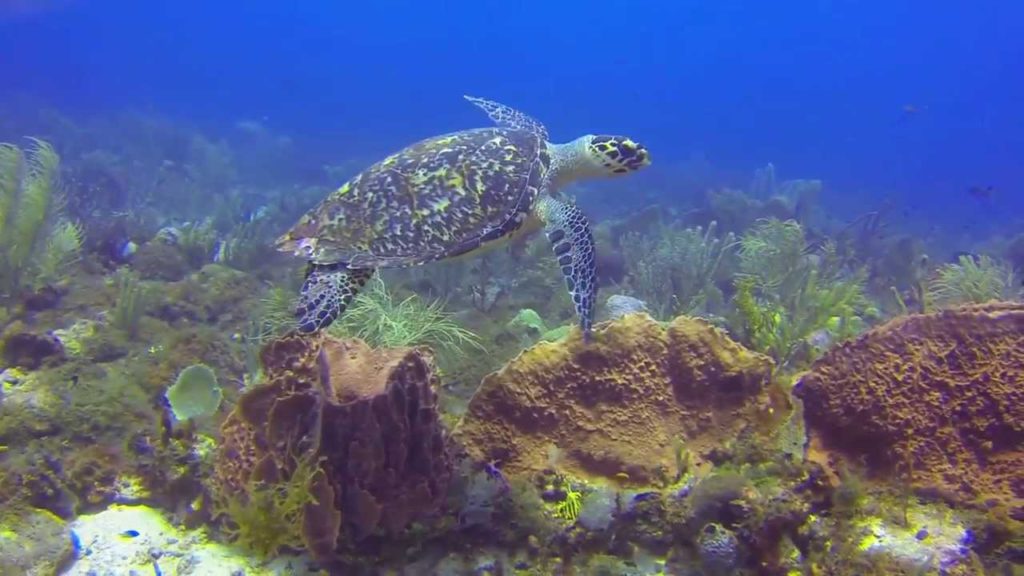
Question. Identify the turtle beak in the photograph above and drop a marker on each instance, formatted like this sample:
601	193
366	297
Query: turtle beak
303	247
300	240
285	243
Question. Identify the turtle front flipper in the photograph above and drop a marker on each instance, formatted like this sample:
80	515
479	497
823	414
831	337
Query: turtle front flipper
569	232
327	291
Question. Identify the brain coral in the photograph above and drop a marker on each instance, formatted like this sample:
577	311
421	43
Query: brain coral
938	398
618	405
368	416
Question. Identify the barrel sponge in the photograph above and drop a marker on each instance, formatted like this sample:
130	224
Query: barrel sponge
366	417
615	407
937	398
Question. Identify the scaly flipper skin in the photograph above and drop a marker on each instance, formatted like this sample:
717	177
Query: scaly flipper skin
327	291
509	117
569	232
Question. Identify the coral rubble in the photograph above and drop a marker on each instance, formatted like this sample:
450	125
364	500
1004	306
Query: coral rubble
616	407
936	398
366	421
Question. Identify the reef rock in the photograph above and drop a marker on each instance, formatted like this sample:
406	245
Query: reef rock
34	542
368	417
31	351
935	399
618	405
618	305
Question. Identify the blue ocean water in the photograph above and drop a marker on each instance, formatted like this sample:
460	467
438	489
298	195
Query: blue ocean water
905	101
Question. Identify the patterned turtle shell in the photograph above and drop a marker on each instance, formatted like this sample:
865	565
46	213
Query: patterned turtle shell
438	198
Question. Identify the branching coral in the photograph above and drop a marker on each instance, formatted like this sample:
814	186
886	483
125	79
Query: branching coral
971	281
675	271
36	242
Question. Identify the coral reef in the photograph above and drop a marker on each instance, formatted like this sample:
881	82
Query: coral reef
660	448
365	420
935	399
615	407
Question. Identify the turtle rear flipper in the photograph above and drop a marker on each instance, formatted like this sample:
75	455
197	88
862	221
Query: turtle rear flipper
569	232
327	291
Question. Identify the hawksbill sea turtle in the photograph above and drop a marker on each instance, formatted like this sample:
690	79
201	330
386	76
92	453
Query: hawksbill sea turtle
449	195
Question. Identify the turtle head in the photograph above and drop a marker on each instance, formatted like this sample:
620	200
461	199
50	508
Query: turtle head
617	155
596	156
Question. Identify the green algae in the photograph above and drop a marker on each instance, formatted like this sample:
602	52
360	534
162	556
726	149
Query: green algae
268	517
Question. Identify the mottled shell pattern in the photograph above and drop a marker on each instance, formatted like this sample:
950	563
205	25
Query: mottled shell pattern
438	198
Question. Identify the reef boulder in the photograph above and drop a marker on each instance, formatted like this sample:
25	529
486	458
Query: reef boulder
369	420
31	350
621	406
935	399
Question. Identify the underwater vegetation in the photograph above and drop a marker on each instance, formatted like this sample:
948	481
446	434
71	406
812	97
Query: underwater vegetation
784	294
378	319
971	280
37	241
677	271
266	517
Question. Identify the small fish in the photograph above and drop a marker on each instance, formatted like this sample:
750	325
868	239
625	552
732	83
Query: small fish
129	534
981	192
76	544
645	496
